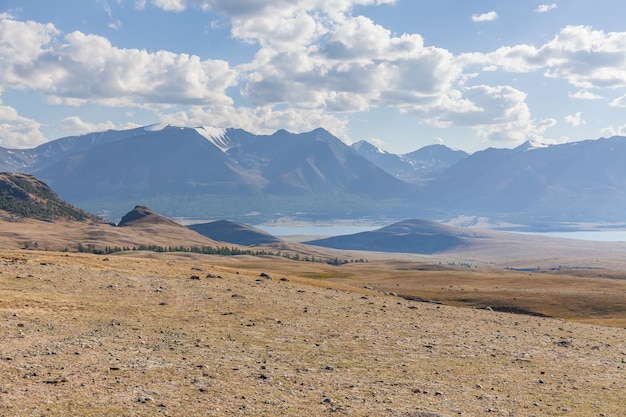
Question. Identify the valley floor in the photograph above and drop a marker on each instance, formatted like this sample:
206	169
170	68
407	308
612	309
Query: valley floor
142	334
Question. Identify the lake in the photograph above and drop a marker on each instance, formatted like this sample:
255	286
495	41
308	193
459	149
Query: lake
316	230
338	230
596	235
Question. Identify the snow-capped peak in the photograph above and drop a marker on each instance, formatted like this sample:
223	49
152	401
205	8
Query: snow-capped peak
530	145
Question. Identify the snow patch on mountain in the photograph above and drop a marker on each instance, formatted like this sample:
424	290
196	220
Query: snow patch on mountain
530	145
215	135
363	145
156	127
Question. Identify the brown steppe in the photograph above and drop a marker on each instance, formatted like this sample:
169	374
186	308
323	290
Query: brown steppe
141	334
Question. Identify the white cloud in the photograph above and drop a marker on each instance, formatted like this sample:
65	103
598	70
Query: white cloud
261	120
485	17
315	63
356	65
17	131
170	5
115	25
585	95
544	8
584	57
498	114
140	4
79	68
614	131
574	119
619	102
75	125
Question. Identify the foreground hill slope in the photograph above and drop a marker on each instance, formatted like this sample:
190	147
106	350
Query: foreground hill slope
134	335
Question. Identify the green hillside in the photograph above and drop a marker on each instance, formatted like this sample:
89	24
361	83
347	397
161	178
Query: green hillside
24	195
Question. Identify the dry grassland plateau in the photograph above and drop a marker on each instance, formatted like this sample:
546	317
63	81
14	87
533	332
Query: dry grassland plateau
177	334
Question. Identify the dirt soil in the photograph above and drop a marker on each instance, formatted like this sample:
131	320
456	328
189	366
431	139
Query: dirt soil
145	334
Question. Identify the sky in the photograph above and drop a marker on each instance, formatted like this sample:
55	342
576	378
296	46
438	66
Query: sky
401	74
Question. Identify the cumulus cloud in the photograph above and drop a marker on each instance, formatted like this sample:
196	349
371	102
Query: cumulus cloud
619	102
79	67
261	119
75	125
585	95
544	8
584	57
574	119
498	114
614	131
485	17
315	63
17	131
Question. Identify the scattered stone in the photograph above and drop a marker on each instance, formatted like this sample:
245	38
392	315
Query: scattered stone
284	279
194	277
144	400
55	381
265	275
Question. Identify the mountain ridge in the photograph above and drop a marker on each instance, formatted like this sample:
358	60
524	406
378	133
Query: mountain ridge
207	172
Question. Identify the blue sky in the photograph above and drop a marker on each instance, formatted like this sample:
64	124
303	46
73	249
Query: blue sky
402	74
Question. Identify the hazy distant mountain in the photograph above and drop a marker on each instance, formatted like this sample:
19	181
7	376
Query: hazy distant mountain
167	161
580	181
232	232
434	158
395	165
196	171
408	236
414	166
231	173
315	162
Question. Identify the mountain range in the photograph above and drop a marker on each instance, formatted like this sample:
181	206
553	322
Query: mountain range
209	173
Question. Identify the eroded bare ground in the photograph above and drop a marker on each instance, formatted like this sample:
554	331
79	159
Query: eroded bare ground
145	334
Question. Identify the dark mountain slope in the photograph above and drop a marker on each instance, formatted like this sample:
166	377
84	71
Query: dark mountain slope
231	232
434	159
168	161
315	162
414	166
409	236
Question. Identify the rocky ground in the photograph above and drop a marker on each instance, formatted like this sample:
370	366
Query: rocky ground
180	335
